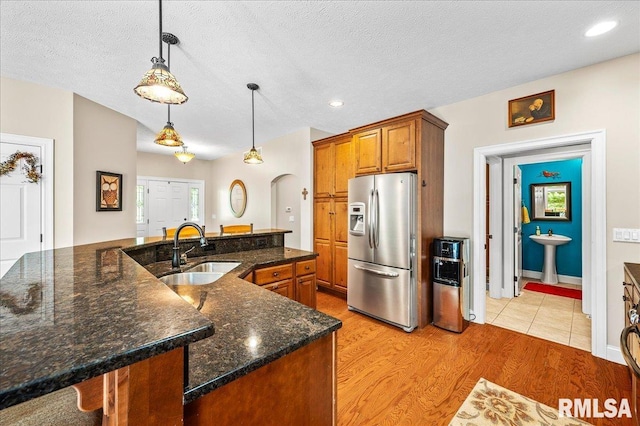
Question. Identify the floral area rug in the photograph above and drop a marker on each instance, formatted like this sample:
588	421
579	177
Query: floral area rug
490	404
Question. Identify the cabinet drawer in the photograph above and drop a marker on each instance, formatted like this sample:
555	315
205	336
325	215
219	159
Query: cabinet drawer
273	274
306	267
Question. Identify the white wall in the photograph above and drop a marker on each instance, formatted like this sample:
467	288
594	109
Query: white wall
33	110
289	154
87	137
104	140
602	96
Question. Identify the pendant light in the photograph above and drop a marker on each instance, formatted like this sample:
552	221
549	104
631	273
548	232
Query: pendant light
184	155
168	135
158	84
253	157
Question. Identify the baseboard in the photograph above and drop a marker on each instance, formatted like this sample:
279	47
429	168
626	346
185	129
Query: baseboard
567	279
615	355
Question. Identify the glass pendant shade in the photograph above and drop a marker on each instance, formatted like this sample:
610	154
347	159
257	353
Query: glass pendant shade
253	157
159	85
168	136
184	155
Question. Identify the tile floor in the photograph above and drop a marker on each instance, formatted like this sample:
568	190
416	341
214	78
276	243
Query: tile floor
555	318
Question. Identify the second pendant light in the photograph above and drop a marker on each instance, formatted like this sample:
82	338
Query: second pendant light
168	135
253	156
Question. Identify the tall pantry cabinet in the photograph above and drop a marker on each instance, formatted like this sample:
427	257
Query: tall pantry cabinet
412	142
333	165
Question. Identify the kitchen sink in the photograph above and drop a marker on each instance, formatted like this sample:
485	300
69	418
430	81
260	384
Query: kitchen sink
191	278
223	267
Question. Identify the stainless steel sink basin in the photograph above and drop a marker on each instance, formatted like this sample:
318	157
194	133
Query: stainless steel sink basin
191	278
223	267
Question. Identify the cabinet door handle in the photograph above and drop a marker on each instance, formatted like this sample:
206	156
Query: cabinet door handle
276	274
625	283
275	287
307	268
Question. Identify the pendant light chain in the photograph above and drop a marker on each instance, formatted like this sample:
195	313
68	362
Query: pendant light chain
168	62
253	122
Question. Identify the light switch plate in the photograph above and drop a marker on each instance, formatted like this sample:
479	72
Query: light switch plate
627	235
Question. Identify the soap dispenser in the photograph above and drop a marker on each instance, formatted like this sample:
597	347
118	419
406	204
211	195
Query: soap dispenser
537	230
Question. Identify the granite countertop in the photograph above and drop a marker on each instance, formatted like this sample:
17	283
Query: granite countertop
254	326
634	272
70	314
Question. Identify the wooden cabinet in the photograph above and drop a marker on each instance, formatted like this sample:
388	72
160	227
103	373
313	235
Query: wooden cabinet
333	163
297	280
333	167
411	142
386	149
306	283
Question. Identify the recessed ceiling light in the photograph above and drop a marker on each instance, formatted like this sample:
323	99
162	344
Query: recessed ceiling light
336	104
601	28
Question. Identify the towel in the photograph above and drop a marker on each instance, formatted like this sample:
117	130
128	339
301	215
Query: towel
525	214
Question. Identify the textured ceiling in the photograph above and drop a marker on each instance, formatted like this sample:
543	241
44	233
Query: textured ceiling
381	58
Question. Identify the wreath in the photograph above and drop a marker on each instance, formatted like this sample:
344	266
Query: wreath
30	168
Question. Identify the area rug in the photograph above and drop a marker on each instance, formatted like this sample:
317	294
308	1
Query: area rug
490	404
554	289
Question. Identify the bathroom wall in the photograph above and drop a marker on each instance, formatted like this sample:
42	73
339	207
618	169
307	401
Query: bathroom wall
568	256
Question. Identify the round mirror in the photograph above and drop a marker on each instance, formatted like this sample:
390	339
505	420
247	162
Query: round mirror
237	198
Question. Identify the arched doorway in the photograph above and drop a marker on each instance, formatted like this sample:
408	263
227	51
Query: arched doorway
285	205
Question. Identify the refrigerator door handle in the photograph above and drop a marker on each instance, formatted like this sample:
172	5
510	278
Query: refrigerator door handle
376	235
375	271
370	220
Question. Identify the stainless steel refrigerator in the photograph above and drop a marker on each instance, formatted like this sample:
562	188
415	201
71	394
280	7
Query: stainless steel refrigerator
382	248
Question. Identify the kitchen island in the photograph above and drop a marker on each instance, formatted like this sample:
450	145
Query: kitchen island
118	313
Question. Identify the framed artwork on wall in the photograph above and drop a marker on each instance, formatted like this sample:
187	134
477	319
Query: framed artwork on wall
108	191
532	109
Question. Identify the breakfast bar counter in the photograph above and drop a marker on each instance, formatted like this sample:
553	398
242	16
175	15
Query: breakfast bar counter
72	314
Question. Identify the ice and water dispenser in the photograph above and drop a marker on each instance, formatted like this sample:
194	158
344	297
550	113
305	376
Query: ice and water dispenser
356	218
451	298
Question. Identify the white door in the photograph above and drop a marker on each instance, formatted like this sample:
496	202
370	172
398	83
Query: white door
168	205
517	230
20	209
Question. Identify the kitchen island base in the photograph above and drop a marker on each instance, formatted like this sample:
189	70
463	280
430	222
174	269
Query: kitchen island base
299	388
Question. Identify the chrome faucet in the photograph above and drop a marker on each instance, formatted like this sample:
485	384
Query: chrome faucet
175	259
550	232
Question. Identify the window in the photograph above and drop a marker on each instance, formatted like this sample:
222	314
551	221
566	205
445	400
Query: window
194	204
140	204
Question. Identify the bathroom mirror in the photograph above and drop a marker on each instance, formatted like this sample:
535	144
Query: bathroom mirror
237	197
551	201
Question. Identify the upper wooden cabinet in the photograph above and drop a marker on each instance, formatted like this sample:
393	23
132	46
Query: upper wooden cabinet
383	149
333	163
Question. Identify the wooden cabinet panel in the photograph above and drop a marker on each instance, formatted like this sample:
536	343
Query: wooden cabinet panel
399	146
323	263
323	158
340	268
344	166
341	218
273	274
305	267
368	151
284	288
306	290
322	219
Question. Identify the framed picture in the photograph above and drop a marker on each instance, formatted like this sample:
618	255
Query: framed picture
532	109
108	192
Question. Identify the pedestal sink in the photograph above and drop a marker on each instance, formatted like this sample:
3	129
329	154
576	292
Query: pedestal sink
549	275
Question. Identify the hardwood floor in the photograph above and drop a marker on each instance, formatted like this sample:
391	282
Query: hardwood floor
389	377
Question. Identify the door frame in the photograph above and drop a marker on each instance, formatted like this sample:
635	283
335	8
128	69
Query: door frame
595	237
46	188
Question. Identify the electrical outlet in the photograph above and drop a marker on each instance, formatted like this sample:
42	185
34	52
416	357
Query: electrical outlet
626	235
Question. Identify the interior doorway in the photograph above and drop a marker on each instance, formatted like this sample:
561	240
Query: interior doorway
594	230
285	204
26	208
